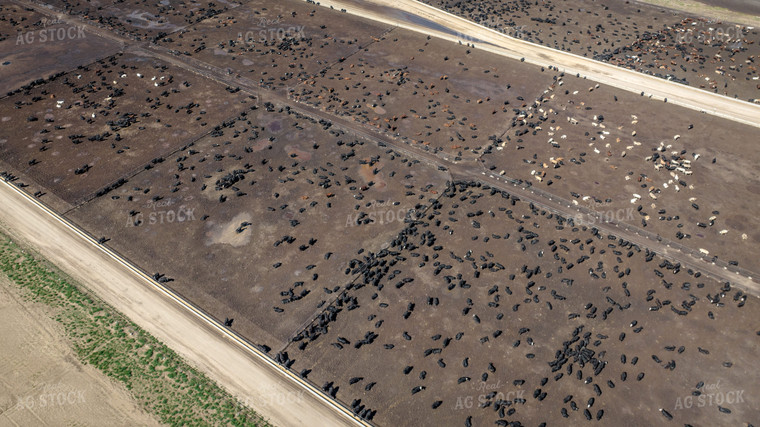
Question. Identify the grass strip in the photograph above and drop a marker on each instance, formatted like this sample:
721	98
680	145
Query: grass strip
159	380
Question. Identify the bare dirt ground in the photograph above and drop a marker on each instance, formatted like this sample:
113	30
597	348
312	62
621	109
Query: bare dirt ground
716	56
34	46
419	17
294	227
142	20
85	130
742	11
276	45
742	6
490	310
271	208
248	378
42	381
448	100
607	151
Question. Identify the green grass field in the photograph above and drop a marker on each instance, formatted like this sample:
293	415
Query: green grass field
158	379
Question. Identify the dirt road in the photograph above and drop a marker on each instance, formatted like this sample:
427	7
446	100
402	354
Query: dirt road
416	16
257	380
426	19
241	369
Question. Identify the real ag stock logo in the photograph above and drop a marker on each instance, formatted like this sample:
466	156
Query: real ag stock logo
162	212
46	34
591	217
272	30
483	392
52	396
380	213
710	395
703	33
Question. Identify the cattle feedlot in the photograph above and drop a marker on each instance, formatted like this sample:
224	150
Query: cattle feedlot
380	212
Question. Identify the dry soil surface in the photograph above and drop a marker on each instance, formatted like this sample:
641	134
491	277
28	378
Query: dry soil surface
41	381
250	379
